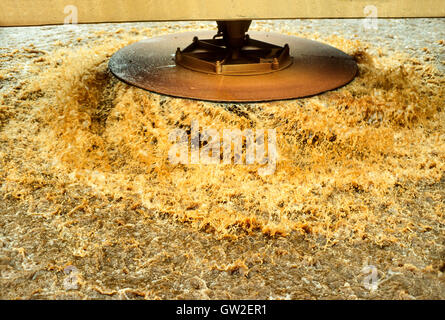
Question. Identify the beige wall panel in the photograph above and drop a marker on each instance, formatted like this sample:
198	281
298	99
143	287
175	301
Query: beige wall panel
41	12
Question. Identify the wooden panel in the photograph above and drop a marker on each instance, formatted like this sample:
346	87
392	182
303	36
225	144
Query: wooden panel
42	12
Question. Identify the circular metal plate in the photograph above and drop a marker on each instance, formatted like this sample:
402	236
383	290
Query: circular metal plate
316	67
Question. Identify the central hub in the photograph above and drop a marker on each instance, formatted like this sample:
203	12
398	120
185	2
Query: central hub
232	52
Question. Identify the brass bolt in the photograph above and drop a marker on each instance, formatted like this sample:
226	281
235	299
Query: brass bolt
275	64
218	68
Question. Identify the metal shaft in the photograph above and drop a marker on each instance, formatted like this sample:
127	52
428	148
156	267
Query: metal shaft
234	34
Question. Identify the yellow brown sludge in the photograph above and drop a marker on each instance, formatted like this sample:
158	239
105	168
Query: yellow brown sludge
344	156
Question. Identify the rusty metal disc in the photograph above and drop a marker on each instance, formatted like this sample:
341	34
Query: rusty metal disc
150	64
